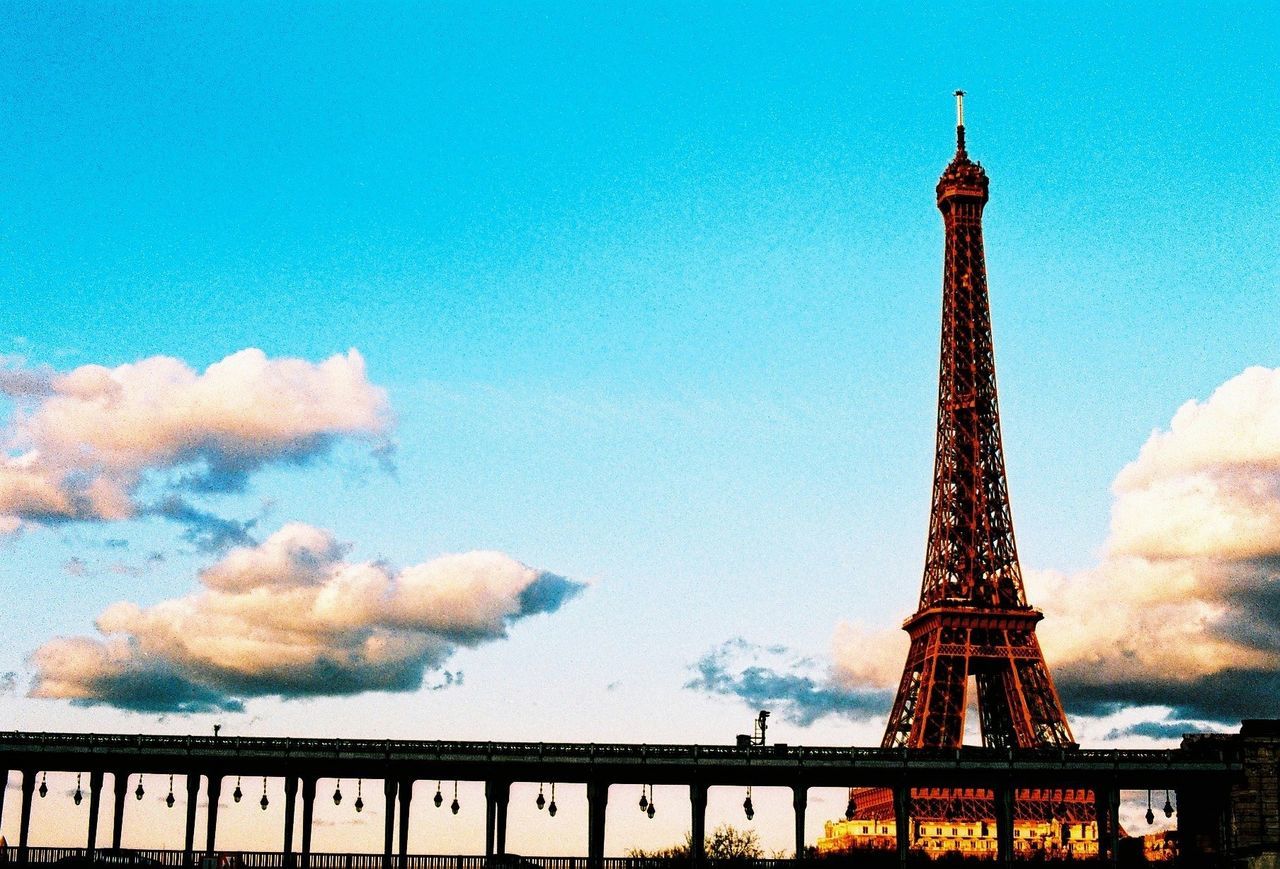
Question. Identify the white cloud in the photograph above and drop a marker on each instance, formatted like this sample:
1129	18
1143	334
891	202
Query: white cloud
868	657
1184	608
292	617
80	445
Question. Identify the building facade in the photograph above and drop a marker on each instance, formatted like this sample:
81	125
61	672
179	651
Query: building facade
1055	823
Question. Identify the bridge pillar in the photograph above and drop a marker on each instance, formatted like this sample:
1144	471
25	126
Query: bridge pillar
502	797
1113	825
490	817
193	797
211	819
698	825
800	801
902	821
28	788
290	808
95	803
1004	825
308	813
597	804
497	794
1102	815
4	786
389	791
406	797
121	785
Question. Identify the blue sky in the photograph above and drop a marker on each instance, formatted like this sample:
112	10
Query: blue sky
653	294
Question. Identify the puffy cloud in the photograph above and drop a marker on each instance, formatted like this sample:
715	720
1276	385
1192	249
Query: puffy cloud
869	657
292	617
1184	609
774	677
82	444
1210	485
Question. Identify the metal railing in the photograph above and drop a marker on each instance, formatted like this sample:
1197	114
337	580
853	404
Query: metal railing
143	857
442	749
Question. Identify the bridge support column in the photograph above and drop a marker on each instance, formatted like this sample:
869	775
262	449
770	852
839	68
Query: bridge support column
290	809
902	821
800	802
121	787
1100	818
308	813
24	828
597	804
95	803
406	797
490	817
500	835
698	825
1004	825
498	796
389	828
193	796
1113	825
211	819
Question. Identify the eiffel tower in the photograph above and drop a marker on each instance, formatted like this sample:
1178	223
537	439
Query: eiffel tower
974	619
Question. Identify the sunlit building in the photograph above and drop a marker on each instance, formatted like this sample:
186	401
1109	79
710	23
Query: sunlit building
1056	823
1161	846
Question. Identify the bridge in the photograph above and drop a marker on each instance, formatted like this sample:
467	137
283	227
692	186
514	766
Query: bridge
1201	773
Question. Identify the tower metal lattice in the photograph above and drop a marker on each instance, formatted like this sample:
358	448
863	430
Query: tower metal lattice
974	619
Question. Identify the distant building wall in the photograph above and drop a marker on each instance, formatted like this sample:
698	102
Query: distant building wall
1243	828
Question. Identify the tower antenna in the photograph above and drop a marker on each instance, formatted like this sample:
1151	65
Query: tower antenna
959	122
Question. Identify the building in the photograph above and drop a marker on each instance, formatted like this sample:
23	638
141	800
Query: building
1058	823
1241	825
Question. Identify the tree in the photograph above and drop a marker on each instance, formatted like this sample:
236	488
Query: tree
729	843
726	842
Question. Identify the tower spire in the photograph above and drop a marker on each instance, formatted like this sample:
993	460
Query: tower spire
974	619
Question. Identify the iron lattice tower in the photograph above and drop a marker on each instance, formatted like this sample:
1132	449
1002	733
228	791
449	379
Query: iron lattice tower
973	618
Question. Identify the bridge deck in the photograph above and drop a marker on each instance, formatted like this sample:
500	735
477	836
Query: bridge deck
780	765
